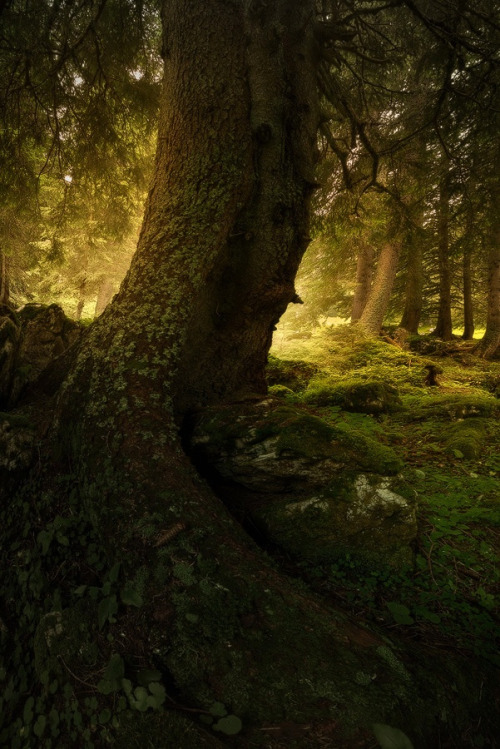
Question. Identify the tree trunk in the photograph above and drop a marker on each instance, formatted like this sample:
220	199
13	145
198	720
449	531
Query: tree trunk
414	287
224	229
104	296
374	312
489	345
444	325
364	275
468	333
4	280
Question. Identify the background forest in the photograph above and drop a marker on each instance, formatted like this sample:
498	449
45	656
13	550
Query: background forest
249	499
407	182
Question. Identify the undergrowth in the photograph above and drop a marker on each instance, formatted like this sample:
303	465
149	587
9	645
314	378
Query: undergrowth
448	438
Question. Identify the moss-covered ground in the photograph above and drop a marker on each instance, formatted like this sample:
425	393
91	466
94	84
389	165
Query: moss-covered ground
448	438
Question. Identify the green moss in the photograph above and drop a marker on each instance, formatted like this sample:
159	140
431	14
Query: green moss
466	438
370	396
460	406
295	374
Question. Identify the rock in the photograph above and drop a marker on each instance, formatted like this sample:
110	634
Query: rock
370	397
466	439
314	489
359	514
45	333
293	373
17	441
269	447
9	343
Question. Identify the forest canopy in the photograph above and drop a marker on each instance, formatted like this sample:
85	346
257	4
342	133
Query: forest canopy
202	543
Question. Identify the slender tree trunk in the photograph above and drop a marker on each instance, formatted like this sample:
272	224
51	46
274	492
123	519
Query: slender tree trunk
414	287
104	296
364	275
374	312
444	326
468	333
81	300
4	280
489	346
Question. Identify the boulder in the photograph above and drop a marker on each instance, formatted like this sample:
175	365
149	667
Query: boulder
317	490
368	397
358	514
44	333
9	343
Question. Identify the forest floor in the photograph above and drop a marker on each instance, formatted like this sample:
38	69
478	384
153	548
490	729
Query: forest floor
448	437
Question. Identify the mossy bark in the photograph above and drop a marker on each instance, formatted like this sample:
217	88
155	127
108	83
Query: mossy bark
224	229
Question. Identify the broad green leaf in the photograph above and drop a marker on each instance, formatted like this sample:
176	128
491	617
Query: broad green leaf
130	597
400	613
391	738
218	709
229	725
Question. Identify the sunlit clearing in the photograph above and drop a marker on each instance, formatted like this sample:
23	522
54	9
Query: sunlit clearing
68	179
137	74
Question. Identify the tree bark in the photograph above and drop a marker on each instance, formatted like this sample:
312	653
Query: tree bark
224	229
444	326
489	345
414	287
4	280
374	312
468	333
364	275
104	296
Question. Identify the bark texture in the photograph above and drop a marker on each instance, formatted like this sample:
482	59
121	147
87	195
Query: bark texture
364	275
224	229
374	312
468	333
444	326
4	280
414	287
489	346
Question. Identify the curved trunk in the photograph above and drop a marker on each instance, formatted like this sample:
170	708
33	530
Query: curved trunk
364	275
444	325
224	229
374	312
468	333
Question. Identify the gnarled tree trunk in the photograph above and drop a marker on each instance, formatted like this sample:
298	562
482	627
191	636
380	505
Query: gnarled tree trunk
224	229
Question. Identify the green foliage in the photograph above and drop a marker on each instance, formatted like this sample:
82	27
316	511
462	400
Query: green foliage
391	738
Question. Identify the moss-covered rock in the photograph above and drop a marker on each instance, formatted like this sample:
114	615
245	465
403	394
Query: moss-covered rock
9	342
466	439
357	514
370	397
17	440
295	374
270	447
451	407
45	334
